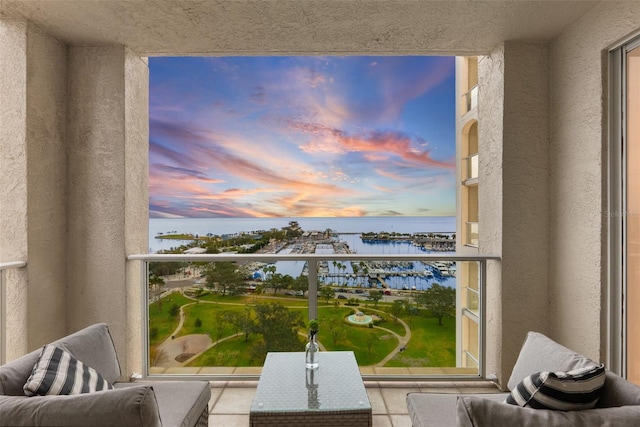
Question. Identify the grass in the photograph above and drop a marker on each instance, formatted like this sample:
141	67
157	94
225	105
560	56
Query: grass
431	345
232	352
161	323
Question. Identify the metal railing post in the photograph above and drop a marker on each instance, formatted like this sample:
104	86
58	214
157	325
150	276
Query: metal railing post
312	277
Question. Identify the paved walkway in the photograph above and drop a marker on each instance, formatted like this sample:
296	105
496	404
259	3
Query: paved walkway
196	344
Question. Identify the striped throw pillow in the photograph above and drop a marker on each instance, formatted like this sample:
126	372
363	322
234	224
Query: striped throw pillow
58	372
563	391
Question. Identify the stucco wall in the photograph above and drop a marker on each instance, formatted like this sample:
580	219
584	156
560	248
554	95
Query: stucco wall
490	195
96	202
137	200
577	174
33	228
46	181
513	196
13	177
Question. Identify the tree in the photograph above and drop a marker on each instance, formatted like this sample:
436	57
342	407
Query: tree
336	329
268	270
243	321
225	277
396	309
277	281
326	293
279	328
375	296
439	300
371	339
174	310
300	283
156	282
409	309
355	269
220	320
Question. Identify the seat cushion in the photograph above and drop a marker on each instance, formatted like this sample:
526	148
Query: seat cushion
477	411
93	345
618	392
131	407
180	402
540	353
438	410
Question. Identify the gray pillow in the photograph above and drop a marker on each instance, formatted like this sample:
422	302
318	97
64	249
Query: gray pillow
575	390
539	353
93	345
58	372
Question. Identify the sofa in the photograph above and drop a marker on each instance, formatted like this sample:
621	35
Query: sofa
121	404
618	400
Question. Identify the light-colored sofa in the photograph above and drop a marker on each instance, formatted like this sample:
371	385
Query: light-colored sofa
619	404
148	404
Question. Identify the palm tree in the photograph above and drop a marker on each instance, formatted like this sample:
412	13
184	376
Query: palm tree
356	269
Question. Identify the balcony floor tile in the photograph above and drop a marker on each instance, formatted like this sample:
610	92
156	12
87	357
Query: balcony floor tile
231	401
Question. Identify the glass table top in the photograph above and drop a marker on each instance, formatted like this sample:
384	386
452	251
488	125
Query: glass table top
286	385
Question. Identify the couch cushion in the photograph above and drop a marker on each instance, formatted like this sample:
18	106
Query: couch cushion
131	407
618	392
93	345
477	411
539	353
180	402
575	390
58	372
438	409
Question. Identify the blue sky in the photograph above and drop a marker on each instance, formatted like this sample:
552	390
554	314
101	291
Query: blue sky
301	136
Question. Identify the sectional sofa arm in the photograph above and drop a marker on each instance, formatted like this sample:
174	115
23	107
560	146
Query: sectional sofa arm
131	406
478	412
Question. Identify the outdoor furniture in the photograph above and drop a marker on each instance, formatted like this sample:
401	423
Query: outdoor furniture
331	395
619	403
144	403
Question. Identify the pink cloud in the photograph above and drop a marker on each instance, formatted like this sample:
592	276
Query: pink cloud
331	140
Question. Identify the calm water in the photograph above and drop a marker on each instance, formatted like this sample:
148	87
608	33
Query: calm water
417	274
220	226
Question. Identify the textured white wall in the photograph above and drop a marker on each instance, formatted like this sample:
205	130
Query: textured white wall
513	196
96	202
13	177
577	174
108	187
525	213
136	199
46	183
490	200
33	220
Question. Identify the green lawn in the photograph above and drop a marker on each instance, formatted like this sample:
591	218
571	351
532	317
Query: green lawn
161	324
232	352
430	344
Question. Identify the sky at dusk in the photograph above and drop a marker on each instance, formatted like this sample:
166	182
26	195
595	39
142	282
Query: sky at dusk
301	136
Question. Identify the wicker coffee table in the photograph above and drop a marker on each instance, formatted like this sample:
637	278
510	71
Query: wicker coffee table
331	395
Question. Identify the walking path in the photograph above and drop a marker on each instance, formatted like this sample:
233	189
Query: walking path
183	350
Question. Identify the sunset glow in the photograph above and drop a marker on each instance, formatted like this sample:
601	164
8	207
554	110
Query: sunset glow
301	136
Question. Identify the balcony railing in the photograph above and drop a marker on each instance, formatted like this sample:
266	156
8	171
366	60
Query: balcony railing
471	99
471	168
379	306
4	268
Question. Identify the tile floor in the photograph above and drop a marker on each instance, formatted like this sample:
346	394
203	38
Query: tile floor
231	401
